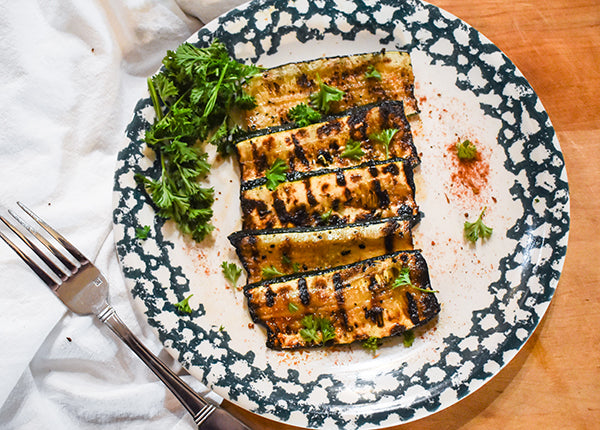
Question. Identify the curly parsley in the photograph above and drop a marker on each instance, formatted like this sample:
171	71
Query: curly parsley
385	138
466	150
326	94
317	330
353	150
276	174
372	73
184	306
303	115
477	229
404	279
270	272
372	344
231	271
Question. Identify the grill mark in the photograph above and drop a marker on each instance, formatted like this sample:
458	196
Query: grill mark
412	308
339	297
375	312
392	169
269	297
373	171
303	292
312	201
382	195
299	151
390	230
328	128
340	179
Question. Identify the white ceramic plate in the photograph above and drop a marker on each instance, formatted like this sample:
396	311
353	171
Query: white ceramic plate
493	293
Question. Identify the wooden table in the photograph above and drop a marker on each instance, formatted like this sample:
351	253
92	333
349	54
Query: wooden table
554	381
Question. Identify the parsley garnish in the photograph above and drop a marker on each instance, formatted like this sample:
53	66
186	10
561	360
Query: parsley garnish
404	279
292	307
286	260
303	115
373	73
353	150
184	306
142	232
325	96
276	174
318	330
477	229
192	97
231	271
372	344
466	150
384	137
325	216
270	272
409	338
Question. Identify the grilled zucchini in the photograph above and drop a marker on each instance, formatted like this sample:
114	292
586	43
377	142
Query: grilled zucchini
287	251
338	197
278	89
345	304
328	144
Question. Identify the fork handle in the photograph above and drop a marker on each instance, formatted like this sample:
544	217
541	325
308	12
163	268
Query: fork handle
206	416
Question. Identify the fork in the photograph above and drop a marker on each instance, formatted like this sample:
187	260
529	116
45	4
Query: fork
84	290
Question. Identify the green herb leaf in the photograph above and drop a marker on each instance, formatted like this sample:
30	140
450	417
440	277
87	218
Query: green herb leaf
192	96
373	73
384	137
477	229
270	272
353	150
292	307
466	150
326	216
231	271
372	344
404	279
184	306
303	115
276	174
409	338
318	330
142	232
326	94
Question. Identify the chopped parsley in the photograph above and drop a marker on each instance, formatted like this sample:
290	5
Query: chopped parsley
292	307
353	150
184	306
384	137
276	174
404	279
317	330
409	338
372	344
326	94
477	229
372	73
231	271
270	272
142	232
303	115
192	96
326	216
466	150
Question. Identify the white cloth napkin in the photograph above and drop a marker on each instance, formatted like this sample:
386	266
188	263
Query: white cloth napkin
70	74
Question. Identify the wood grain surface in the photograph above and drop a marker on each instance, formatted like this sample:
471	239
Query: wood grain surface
554	381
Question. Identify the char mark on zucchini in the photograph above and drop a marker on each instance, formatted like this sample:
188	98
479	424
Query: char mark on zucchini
279	89
337	197
341	141
356	301
295	250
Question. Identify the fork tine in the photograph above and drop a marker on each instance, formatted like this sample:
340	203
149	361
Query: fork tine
57	253
51	265
38	270
56	235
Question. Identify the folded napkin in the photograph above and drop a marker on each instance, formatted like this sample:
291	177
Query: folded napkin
71	74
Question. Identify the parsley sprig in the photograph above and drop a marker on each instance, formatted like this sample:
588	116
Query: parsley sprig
384	137
372	344
466	150
353	150
372	73
326	94
270	272
231	272
193	98
184	305
316	329
477	229
276	174
403	279
303	115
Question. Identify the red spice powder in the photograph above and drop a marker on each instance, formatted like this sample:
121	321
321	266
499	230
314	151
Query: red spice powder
468	177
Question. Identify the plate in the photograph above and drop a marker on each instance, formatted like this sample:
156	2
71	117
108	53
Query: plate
493	293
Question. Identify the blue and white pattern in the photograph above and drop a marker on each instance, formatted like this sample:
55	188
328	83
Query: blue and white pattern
348	388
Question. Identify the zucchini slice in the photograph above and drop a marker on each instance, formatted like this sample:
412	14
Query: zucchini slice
278	89
332	197
287	251
356	302
328	144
